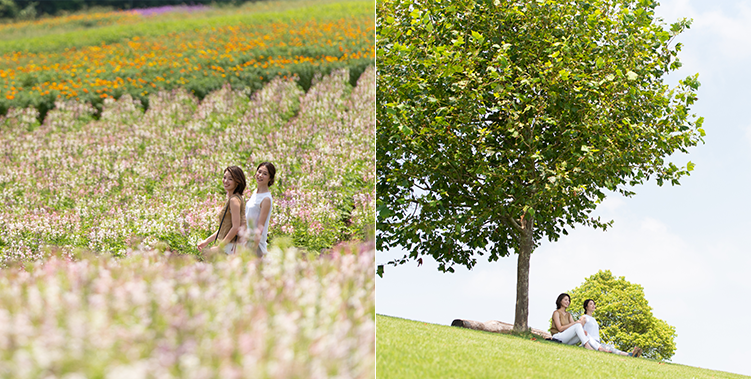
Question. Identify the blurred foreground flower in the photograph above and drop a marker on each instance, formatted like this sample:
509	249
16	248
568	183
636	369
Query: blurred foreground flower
166	315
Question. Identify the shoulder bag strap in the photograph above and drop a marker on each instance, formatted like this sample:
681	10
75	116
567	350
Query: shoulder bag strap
222	221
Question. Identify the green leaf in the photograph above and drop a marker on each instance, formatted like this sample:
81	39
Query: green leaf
477	36
384	212
406	130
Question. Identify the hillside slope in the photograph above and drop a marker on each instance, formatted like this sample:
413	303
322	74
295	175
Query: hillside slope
412	349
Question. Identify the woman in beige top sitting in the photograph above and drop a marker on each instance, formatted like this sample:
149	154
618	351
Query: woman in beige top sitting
232	215
564	328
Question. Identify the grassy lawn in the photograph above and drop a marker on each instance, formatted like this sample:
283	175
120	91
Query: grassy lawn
413	349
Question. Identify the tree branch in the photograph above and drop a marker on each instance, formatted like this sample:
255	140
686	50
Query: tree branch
511	221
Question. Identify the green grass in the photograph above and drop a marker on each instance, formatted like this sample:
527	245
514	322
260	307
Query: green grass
412	349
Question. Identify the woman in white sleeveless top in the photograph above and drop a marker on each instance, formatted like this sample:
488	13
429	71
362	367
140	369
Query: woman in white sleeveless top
258	208
592	329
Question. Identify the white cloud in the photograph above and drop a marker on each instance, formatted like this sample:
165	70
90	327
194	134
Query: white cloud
732	30
653	226
488	282
612	203
727	27
747	135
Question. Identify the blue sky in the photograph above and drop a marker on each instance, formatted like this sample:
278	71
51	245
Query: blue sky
688	245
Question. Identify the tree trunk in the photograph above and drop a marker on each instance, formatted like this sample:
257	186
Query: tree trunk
526	244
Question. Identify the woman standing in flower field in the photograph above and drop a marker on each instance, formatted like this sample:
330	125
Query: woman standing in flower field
231	218
258	209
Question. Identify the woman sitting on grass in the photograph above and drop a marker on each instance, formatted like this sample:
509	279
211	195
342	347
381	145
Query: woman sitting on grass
231	217
592	328
564	328
258	210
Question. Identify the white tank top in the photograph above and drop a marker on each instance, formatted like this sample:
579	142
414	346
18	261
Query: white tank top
252	212
592	328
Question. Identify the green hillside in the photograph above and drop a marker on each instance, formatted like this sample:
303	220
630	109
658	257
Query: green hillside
412	349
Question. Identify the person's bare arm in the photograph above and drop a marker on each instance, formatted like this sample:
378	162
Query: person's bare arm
234	208
261	223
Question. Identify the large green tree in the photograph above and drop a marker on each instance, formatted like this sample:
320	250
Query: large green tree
624	315
502	122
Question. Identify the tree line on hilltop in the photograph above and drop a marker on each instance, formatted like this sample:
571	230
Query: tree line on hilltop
31	9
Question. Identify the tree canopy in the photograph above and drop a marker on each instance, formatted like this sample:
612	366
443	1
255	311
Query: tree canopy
502	122
624	315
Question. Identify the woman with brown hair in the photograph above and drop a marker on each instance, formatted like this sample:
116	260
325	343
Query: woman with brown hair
232	215
563	328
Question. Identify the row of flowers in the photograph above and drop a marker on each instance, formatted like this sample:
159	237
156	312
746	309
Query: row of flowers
155	314
246	55
71	22
135	178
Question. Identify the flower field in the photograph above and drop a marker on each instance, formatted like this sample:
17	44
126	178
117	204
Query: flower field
153	178
115	130
155	315
140	55
77	21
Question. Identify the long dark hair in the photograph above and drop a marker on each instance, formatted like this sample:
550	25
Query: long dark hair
272	171
238	176
585	304
560	298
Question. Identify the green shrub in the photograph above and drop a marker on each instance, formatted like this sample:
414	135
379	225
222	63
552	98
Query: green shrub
624	315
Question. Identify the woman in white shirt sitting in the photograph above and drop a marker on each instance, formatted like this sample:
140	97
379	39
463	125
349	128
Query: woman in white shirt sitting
592	330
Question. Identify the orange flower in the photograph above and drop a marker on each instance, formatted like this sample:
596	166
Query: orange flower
145	61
